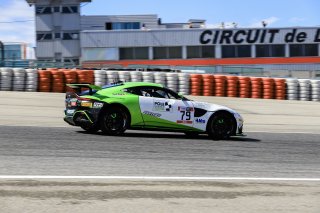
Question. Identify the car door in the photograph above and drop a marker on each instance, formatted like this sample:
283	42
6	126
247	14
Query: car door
163	108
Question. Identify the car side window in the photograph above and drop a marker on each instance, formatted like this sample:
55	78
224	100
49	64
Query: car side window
133	90
154	92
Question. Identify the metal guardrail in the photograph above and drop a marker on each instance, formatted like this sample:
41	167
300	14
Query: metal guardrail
35	64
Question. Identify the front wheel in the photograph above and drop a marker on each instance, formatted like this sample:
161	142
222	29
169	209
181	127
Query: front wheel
114	121
221	126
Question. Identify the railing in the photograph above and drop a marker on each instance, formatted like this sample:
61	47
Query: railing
36	64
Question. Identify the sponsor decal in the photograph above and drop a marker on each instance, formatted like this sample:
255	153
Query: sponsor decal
186	115
70	111
186	109
261	36
97	105
158	115
162	106
200	120
118	94
184	122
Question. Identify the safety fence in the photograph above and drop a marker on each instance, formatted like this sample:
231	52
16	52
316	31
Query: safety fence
55	80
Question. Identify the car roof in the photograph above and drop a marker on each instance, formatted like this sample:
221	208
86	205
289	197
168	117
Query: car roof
136	84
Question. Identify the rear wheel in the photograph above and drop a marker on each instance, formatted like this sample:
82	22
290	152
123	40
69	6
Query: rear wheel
114	121
221	126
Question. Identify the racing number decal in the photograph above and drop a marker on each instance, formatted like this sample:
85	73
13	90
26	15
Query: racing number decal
186	115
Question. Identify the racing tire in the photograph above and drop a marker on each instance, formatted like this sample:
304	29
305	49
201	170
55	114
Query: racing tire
114	121
221	126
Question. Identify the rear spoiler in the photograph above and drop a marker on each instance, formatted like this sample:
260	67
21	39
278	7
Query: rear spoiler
78	87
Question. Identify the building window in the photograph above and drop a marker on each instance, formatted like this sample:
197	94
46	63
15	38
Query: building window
298	50
74	61
56	9
200	51
122	25
44	36
57	35
167	52
270	50
236	51
134	53
160	53
43	10
70	9
70	36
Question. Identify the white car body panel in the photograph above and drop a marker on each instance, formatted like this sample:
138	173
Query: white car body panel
182	111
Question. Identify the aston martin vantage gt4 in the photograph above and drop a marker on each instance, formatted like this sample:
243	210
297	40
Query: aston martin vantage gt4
146	106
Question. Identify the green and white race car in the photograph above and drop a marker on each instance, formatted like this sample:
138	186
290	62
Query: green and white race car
146	106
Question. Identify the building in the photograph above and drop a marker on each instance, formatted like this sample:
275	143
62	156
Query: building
14	51
143	40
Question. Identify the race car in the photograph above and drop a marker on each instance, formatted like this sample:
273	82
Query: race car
146	106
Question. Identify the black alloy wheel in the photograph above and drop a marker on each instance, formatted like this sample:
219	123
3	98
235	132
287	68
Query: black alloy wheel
114	121
221	126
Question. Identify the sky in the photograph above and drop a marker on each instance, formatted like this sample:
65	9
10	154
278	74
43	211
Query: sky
246	13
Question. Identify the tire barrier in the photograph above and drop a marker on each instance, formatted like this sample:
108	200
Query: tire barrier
58	81
196	84
112	76
18	79
6	75
315	90
31	80
184	85
304	89
292	89
55	80
244	87
232	86
100	77
160	78
136	76
268	88
172	81
44	80
256	87
220	83
280	88
124	76
70	76
85	76
148	77
208	85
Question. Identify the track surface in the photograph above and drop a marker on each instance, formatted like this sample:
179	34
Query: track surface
70	151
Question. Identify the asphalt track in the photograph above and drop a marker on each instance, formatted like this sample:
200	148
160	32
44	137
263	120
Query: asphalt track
282	143
72	152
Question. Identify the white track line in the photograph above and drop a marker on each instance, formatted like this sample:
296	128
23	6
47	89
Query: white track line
279	132
154	178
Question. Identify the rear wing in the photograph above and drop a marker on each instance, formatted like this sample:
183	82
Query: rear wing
78	88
